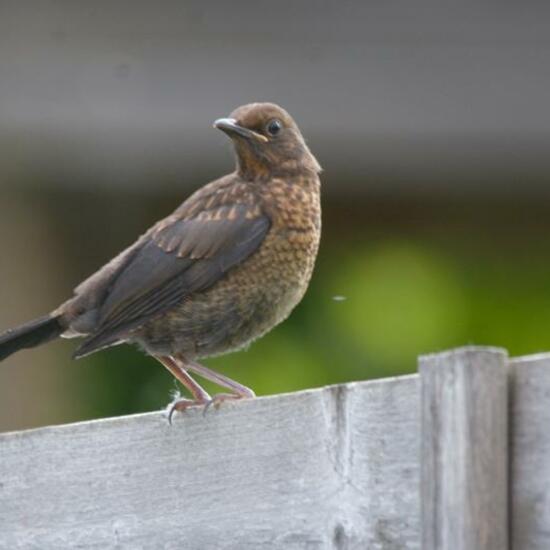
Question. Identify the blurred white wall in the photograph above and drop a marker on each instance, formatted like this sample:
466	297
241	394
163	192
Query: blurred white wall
430	92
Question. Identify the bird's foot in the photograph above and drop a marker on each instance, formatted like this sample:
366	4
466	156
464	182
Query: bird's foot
181	405
219	398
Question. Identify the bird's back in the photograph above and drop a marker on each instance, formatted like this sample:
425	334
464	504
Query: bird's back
185	253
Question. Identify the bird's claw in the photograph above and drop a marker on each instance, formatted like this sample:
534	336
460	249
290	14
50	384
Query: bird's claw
182	405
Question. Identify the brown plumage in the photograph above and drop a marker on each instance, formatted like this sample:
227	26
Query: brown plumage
226	267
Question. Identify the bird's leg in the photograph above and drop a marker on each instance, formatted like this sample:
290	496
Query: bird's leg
200	395
238	390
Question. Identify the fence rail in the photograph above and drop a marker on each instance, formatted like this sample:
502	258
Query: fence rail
456	457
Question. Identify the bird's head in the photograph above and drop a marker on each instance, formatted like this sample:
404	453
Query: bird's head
267	141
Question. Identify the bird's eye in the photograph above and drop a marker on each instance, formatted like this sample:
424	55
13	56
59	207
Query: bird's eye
274	127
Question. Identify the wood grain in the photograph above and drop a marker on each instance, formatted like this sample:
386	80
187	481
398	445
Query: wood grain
464	473
331	468
530	452
336	468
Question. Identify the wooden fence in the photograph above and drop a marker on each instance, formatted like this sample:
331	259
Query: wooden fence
455	458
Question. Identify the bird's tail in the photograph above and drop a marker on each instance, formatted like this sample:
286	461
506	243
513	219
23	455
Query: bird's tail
29	335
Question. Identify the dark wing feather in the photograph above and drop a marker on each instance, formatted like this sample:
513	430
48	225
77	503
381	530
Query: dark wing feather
180	257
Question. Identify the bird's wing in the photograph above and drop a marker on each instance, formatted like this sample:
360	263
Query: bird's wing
182	255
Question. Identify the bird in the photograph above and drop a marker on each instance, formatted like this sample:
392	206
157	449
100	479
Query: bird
227	266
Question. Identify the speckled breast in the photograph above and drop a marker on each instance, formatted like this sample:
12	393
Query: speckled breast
258	294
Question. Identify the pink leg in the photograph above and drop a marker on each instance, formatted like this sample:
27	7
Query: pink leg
238	390
200	395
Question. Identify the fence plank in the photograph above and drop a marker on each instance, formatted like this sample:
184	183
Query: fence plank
464	449
330	468
530	452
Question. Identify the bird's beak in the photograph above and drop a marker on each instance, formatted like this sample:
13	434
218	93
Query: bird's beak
231	128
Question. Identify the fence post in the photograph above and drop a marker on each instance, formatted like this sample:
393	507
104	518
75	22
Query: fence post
464	433
529	452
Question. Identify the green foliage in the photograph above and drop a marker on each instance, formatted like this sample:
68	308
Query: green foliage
368	314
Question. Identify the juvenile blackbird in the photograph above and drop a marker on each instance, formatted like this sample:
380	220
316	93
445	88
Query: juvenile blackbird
226	267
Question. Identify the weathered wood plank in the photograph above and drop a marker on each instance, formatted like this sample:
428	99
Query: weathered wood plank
530	452
330	468
464	473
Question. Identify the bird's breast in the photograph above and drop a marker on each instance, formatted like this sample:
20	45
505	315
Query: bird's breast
290	248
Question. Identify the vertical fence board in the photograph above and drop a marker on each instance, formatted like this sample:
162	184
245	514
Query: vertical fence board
464	450
377	458
530	452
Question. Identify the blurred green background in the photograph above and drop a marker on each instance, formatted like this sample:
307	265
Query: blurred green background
436	199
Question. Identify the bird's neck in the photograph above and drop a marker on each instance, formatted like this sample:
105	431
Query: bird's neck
252	169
